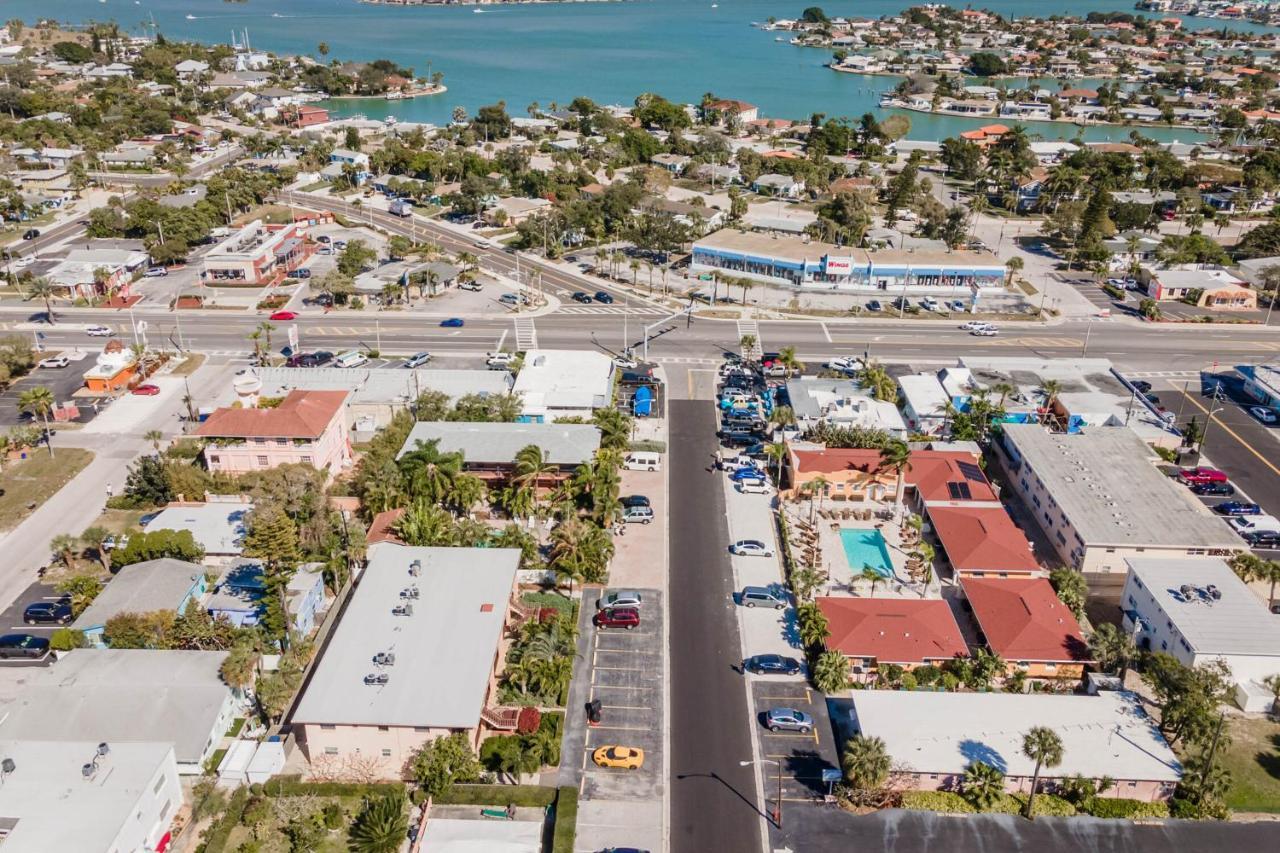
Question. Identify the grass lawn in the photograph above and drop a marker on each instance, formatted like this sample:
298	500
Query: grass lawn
25	485
120	520
1254	761
188	365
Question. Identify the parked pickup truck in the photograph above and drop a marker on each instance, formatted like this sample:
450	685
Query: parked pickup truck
1201	475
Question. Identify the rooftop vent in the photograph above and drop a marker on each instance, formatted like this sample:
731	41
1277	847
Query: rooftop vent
415	568
376	679
410	592
384	659
402	610
486	608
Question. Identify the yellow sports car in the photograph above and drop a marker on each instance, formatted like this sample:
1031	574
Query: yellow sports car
624	757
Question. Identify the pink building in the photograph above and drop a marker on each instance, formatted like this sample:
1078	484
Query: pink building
308	427
416	657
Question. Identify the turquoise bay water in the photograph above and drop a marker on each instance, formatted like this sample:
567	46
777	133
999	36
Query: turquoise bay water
866	548
608	51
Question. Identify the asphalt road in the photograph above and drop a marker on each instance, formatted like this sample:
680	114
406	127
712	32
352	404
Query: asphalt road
713	797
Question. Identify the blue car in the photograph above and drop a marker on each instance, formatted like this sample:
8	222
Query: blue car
1237	508
453	323
746	473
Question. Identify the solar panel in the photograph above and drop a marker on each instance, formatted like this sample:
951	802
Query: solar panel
971	471
959	491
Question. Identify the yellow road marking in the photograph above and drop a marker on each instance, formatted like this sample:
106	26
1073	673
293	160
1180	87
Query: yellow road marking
1229	431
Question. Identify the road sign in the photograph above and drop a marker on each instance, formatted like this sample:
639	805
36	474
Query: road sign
142	325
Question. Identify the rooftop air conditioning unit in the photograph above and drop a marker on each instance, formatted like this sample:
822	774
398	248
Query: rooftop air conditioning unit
410	592
1186	589
402	610
415	568
376	679
1214	592
385	659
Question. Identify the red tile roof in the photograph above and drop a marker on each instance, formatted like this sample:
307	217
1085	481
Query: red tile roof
981	538
948	475
1023	620
302	414
832	460
893	630
381	529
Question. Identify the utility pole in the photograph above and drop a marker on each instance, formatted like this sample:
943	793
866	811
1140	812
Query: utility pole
1208	763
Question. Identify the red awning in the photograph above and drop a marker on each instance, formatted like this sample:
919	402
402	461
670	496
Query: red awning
163	844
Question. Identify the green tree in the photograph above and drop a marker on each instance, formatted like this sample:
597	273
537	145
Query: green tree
866	763
157	544
42	288
428	472
1043	746
240	667
983	785
272	537
38	402
896	457
81	590
444	761
147	483
1071	587
1112	649
580	551
831	672
381	825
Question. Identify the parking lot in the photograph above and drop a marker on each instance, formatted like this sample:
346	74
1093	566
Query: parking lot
803	757
62	381
624	671
11	621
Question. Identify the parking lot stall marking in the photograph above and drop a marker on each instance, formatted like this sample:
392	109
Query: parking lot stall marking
618	668
1229	431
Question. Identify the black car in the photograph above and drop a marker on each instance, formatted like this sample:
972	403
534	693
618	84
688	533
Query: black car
641	374
601	296
30	234
581	297
1141	386
23	646
633	500
771	665
1265	539
310	359
874	305
1214	489
738	437
56	612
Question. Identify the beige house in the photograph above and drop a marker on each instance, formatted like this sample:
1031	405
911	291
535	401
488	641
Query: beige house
415	658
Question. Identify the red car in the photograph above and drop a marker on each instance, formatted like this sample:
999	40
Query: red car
1200	476
617	617
284	315
147	390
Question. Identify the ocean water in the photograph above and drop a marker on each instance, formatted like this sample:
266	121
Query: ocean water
608	51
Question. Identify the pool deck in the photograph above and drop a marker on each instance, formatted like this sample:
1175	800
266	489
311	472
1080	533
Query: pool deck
843	579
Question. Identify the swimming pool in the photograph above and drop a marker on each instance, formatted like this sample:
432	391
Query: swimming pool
865	549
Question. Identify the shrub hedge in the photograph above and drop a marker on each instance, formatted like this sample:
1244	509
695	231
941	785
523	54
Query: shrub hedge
531	796
566	830
937	801
1047	805
293	786
1116	807
215	838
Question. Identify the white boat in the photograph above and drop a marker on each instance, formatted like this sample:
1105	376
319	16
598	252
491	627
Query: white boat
394	96
191	17
478	11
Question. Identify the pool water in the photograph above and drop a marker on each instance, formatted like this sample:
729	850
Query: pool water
866	549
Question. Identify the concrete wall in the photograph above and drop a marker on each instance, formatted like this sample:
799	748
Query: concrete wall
150	818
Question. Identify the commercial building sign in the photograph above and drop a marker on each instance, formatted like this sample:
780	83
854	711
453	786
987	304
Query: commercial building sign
837	266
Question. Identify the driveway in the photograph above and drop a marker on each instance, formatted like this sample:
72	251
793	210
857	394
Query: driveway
62	381
624	671
130	412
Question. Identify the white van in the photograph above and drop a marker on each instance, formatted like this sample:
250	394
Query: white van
350	358
1254	523
639	460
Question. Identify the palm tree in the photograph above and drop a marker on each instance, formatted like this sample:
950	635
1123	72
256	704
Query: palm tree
381	827
1051	388
865	762
813	626
983	785
896	457
787	358
240	667
777	452
1044	747
38	401
817	489
1014	265
65	546
870	574
531	466
430	473
580	551
831	672
466	491
1112	648
154	436
42	288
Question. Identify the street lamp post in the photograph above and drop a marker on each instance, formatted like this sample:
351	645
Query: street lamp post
1213	410
777	811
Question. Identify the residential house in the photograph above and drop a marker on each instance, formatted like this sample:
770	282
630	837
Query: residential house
1107	735
167	696
841	402
87	795
307	115
415	657
1100	499
190	69
857	474
979	539
308	427
1023	621
238	594
1207	287
564	383
489	450
1200	611
513	211
924	403
742	110
778	186
217	526
164	584
673	163
905	632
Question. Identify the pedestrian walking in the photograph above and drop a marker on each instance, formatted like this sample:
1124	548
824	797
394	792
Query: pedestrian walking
110	491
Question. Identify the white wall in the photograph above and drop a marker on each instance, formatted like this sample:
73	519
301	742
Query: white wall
151	817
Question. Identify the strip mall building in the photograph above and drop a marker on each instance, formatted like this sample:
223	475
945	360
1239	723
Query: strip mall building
812	265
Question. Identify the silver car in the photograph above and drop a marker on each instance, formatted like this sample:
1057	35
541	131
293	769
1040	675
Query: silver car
619	598
788	720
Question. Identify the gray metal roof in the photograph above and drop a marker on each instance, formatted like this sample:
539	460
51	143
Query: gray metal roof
218	526
1105	481
127	695
498	443
390	386
1238	623
444	649
142	588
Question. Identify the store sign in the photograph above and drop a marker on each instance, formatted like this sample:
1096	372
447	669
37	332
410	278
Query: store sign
837	266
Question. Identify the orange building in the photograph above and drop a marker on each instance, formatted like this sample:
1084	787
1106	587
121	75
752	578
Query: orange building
115	368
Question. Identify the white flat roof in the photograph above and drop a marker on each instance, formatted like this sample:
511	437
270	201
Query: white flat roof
565	379
444	649
54	807
925	393
1238	623
482	836
1104	735
217	527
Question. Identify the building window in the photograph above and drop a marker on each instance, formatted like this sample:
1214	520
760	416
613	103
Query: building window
328	728
214	460
330	750
263	462
420	728
386	753
384	728
306	460
159	784
164	811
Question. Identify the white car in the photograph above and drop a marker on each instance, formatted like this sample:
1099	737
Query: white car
54	361
473	286
754	487
974	325
751	548
986	332
417	360
846	364
625	363
930	304
499	359
99	331
1116	282
1262	413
